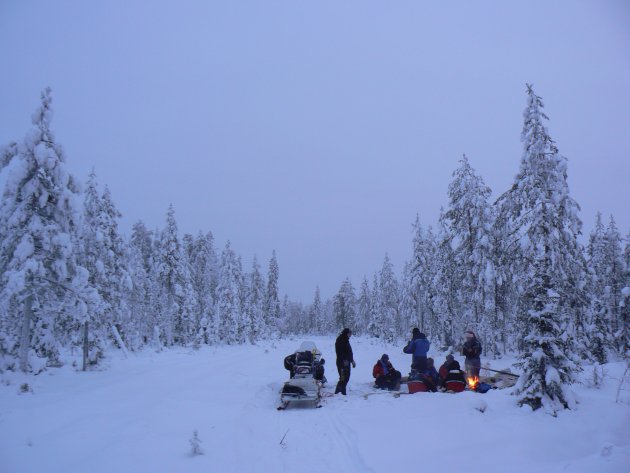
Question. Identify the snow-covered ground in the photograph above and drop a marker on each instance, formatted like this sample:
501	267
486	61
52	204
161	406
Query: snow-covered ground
139	414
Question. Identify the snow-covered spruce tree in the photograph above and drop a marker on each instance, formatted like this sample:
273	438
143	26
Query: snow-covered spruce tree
545	221
272	300
408	306
363	307
202	259
423	270
254	308
230	319
316	314
141	298
625	301
598	329
448	279
89	256
505	297
176	297
614	283
103	254
469	221
118	282
344	306
376	326
44	293
388	286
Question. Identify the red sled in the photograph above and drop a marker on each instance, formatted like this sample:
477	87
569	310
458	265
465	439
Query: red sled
417	387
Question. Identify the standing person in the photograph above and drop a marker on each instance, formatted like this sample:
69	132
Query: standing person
418	347
344	360
385	376
472	351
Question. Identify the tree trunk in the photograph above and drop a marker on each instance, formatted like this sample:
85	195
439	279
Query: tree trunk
86	348
25	339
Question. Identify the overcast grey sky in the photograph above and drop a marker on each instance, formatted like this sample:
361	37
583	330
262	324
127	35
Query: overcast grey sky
318	128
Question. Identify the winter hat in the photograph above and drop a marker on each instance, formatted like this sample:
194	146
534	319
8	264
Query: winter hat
422	335
469	333
450	358
346	331
415	332
385	358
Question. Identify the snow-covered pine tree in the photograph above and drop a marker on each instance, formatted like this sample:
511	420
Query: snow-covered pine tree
316	313
469	220
545	222
376	323
408	305
625	301
89	256
363	307
423	270
177	298
448	279
344	306
228	309
116	282
389	299
141	298
272	300
44	292
202	260
255	303
614	282
598	328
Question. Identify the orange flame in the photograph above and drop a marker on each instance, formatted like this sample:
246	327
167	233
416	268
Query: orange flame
473	381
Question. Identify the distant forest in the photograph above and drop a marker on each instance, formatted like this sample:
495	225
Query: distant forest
512	270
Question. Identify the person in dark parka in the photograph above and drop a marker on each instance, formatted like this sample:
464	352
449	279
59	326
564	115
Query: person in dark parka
344	360
418	347
472	351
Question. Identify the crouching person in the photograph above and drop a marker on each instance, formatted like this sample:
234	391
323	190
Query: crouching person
385	376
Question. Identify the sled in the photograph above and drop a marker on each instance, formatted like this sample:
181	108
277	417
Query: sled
303	388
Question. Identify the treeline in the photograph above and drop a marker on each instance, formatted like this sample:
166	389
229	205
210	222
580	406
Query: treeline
512	270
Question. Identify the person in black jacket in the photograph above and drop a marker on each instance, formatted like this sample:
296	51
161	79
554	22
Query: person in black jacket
472	351
344	360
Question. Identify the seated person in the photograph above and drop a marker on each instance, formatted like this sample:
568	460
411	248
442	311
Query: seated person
455	380
430	376
445	368
386	377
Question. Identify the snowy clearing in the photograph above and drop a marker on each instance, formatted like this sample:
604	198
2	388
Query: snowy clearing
139	414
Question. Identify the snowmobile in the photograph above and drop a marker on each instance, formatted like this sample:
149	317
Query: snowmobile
306	366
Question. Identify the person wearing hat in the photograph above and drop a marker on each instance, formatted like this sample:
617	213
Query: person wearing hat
385	376
418	347
445	368
344	359
472	351
455	380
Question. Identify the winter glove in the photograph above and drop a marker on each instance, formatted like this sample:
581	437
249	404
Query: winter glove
354	365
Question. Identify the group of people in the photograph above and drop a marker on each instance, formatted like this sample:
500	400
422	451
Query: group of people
449	377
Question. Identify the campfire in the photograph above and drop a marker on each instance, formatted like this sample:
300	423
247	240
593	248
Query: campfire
473	382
